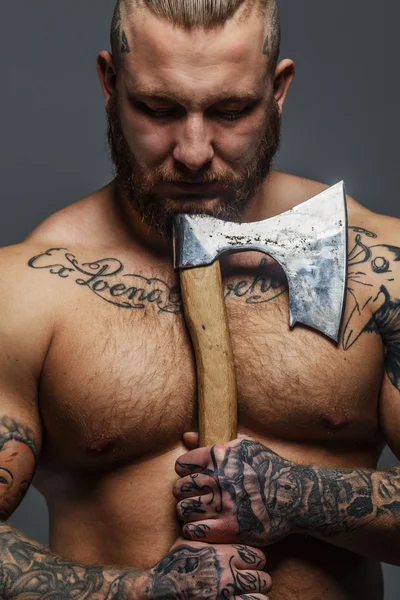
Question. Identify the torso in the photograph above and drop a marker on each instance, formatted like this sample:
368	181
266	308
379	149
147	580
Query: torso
118	391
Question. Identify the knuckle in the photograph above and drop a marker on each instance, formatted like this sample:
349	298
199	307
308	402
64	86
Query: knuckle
219	451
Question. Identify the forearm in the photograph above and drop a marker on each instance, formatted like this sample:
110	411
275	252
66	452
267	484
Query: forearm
30	571
355	509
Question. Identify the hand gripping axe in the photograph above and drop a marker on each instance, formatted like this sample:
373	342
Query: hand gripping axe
310	244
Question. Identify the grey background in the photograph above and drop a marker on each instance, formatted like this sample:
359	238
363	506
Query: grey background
341	119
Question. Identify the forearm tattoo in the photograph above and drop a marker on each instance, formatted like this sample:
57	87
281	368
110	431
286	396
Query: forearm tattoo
29	571
272	497
371	267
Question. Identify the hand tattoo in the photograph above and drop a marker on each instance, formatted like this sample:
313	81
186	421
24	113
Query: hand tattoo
260	498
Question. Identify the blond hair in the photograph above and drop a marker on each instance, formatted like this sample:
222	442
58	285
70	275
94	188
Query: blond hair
205	14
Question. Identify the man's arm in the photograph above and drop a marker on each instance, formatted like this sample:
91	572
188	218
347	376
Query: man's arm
360	509
28	570
245	492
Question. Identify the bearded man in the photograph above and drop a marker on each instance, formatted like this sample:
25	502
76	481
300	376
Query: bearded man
97	371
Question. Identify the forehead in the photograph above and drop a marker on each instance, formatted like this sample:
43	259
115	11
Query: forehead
196	64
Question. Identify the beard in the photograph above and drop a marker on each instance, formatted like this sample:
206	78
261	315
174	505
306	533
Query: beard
138	184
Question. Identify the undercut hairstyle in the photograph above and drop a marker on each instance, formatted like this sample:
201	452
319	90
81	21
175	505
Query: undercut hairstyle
198	14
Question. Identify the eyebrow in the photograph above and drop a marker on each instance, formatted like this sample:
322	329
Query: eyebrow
159	94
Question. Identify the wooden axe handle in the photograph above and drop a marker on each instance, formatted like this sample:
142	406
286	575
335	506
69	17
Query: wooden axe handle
206	318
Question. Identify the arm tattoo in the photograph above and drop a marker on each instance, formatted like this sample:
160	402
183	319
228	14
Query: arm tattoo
273	497
18	459
374	268
28	570
11	430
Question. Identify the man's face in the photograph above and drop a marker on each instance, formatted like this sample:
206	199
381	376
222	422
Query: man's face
193	124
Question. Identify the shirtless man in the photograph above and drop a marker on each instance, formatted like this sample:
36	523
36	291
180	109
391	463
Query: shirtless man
97	371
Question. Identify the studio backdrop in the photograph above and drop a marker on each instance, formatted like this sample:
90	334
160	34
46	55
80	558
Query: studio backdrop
341	120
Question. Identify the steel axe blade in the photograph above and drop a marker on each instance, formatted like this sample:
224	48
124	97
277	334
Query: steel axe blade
309	242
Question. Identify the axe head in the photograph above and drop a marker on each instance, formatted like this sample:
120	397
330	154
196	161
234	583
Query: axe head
309	242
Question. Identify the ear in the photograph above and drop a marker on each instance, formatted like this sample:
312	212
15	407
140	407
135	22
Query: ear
283	78
107	74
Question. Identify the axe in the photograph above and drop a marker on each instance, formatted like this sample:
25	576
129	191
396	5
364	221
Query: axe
310	244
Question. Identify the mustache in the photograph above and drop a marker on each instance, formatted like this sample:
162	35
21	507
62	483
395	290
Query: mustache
163	176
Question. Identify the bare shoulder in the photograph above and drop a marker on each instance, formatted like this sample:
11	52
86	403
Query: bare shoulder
287	190
81	223
26	309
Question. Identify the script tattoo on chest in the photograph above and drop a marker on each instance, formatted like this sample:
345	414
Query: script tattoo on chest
108	280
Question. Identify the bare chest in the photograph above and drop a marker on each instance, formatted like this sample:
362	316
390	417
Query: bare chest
119	379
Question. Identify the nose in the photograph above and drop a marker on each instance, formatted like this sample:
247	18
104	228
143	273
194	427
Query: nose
193	147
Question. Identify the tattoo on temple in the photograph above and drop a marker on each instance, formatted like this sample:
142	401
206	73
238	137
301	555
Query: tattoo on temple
119	39
272	37
116	26
287	497
373	267
125	44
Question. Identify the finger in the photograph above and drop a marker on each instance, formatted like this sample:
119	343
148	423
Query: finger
196	509
194	461
253	582
215	531
197	484
249	557
191	439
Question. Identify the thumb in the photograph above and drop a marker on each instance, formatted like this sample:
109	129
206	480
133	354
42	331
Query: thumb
191	440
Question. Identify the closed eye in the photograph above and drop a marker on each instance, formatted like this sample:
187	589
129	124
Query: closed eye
176	111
